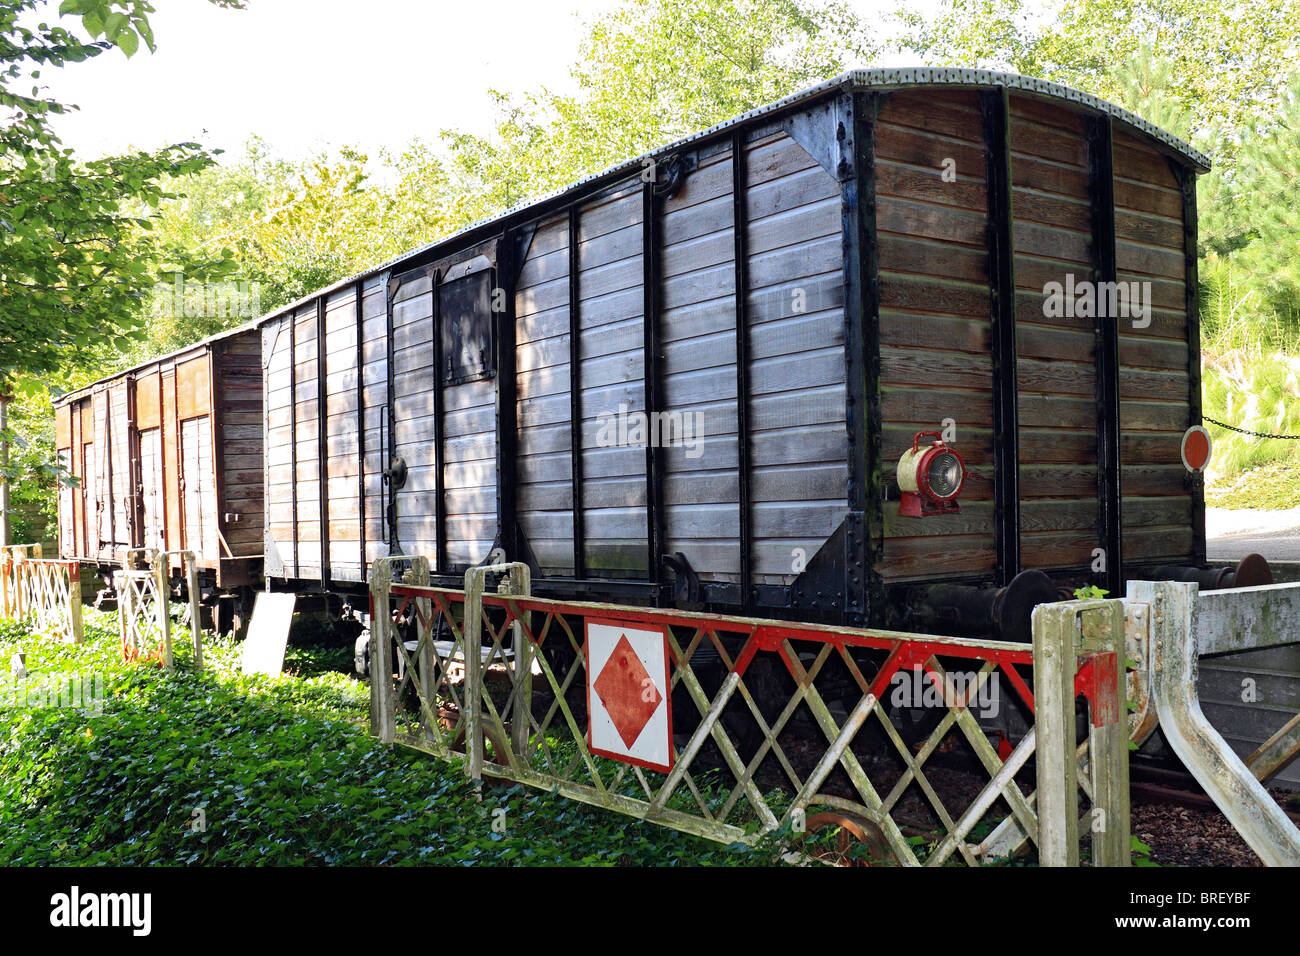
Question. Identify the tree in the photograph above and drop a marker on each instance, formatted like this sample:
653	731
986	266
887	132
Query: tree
1224	61
292	227
76	256
648	73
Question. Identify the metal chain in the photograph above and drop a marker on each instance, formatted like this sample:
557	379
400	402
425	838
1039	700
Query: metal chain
1243	431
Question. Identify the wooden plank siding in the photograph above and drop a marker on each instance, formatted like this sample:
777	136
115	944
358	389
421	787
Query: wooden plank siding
306	441
374	374
544	459
794	305
1154	383
278	448
935	346
238	424
1056	356
697	336
415	429
342	437
796	348
612	382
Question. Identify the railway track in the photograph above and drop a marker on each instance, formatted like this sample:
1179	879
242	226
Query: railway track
1158	782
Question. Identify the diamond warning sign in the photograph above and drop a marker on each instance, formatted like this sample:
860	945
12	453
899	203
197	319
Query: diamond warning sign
627	694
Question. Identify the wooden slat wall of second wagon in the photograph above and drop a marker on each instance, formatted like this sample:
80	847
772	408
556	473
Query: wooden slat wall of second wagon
1154	383
1056	371
935	349
66	516
120	444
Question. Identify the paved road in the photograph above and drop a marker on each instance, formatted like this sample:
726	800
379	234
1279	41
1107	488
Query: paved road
1231	534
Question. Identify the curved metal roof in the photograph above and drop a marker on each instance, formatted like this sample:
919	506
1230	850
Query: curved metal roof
877	79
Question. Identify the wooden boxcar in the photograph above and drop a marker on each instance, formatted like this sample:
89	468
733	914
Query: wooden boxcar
168	456
793	295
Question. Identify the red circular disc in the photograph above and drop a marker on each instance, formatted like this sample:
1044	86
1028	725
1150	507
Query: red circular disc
1196	448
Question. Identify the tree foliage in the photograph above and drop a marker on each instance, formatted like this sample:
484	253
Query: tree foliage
648	73
1223	61
76	253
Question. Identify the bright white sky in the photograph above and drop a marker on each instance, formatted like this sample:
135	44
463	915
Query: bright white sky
314	74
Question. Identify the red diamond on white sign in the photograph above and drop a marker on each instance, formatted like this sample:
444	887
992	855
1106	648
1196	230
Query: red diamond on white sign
627	677
627	691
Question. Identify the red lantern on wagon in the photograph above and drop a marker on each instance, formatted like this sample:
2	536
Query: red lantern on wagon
930	478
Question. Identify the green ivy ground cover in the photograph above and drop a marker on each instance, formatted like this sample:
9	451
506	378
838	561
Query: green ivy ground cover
222	769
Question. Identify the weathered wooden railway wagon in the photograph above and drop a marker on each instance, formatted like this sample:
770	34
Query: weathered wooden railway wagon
690	378
168	456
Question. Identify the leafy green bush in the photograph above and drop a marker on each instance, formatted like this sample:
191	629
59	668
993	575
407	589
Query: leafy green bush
1258	391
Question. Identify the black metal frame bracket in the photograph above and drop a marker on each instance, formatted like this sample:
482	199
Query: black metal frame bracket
996	109
1101	189
864	523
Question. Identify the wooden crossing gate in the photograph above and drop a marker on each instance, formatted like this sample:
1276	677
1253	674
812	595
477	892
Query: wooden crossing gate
762	723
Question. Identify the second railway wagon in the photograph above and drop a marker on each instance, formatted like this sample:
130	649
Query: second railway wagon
168	457
692	378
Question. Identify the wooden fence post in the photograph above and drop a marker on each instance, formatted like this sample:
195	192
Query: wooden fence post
425	657
192	589
74	602
1108	733
1054	627
381	636
20	571
475	579
6	573
520	582
162	606
123	589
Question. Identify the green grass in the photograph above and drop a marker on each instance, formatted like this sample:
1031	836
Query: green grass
1256	387
279	770
1270	487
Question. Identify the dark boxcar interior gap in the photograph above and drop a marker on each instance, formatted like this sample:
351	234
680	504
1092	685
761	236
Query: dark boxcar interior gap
995	105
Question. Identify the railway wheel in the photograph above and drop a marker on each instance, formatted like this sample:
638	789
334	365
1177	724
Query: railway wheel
854	830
